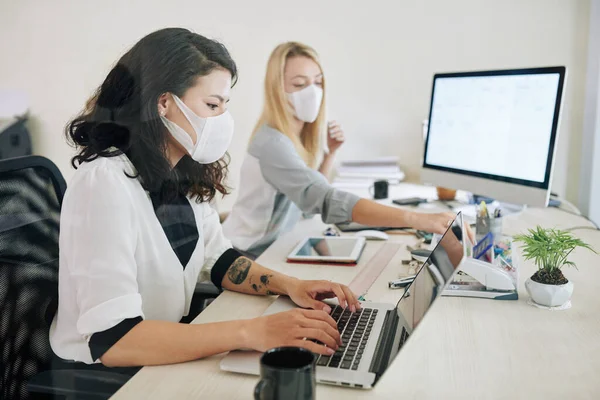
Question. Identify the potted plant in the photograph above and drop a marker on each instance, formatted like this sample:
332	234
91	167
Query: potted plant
549	249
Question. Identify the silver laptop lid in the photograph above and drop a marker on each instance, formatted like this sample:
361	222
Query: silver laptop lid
428	283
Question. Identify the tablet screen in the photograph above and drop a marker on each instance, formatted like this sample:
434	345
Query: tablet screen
323	247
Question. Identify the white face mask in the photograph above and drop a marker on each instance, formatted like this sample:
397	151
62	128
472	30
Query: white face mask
307	103
213	134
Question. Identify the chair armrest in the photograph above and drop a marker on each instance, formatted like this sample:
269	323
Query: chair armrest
206	290
74	384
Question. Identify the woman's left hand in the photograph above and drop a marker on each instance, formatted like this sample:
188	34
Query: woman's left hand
335	136
308	294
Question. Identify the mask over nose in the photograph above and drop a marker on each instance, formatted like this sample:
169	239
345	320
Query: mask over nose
213	134
307	103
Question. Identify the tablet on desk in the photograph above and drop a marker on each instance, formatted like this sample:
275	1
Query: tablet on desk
328	250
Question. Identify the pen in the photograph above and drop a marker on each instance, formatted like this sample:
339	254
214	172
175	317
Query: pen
401	283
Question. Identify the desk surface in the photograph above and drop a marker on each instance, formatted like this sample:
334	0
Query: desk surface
463	349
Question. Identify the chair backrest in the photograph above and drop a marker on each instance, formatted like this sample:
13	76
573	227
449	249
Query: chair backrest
31	192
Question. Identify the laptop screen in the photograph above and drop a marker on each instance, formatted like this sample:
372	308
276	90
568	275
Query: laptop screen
429	282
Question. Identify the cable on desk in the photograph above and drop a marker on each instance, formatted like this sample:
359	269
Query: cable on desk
562	201
581	228
579	215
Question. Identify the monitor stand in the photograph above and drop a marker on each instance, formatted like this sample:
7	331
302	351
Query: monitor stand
469	210
507	208
477	199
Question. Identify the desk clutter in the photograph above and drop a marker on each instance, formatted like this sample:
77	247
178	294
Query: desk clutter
403	282
488	271
488	224
497	279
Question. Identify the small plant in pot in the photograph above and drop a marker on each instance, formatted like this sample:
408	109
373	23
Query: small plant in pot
549	249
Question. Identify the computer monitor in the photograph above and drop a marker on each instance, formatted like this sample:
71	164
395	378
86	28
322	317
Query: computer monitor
493	133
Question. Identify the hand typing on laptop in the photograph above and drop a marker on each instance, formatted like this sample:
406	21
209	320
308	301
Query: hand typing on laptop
308	294
313	329
294	328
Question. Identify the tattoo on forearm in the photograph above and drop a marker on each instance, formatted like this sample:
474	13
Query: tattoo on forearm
254	285
238	272
265	280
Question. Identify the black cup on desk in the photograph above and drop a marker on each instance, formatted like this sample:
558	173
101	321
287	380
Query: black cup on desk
379	190
286	373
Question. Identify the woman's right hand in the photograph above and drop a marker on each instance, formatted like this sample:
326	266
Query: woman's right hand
293	328
433	223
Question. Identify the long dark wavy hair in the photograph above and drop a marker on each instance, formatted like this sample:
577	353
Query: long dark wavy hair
123	113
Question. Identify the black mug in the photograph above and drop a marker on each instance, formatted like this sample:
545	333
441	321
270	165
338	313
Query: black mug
286	373
380	190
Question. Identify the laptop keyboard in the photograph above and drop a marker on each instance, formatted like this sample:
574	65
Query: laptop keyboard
403	337
355	329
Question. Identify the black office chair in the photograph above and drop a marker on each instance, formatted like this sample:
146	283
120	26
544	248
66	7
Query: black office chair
31	192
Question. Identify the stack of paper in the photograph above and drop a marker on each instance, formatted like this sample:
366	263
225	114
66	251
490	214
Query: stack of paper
362	173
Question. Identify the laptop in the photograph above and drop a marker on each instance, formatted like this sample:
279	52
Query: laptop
373	336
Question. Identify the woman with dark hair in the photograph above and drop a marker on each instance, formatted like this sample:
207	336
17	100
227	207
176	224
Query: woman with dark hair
137	231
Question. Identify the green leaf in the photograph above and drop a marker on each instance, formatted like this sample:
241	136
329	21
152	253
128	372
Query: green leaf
549	248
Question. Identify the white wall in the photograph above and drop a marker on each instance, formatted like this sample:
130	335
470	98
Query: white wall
590	153
379	58
594	204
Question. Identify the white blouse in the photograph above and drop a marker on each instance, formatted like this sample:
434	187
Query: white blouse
115	260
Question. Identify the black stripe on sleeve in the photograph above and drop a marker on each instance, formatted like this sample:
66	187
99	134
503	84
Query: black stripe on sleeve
100	342
222	265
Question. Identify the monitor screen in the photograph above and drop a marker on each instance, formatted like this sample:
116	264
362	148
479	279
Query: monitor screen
498	125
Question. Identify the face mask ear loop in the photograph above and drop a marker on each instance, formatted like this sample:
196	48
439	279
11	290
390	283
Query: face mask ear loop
184	110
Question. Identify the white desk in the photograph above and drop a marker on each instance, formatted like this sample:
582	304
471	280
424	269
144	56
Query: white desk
463	349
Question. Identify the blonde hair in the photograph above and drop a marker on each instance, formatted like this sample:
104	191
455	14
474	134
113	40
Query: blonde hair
277	112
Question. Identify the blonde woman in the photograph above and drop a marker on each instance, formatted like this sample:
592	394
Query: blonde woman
280	179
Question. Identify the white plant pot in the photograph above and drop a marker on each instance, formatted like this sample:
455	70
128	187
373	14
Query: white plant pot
549	295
